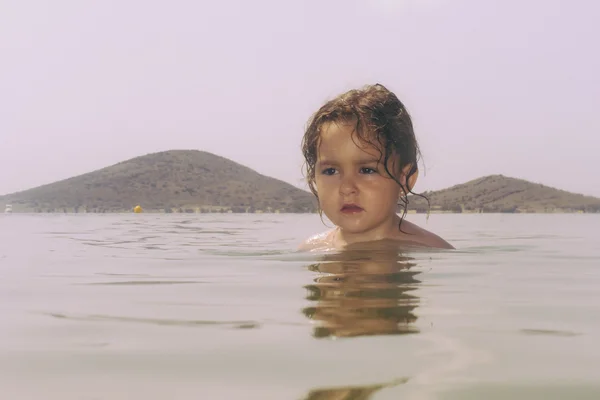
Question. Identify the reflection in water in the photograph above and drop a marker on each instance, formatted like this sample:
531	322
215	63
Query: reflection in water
363	291
366	291
351	393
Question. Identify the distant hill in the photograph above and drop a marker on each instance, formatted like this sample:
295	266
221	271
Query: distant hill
198	181
176	180
498	193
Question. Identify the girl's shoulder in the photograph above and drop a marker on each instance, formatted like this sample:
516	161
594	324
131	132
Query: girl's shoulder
318	241
423	236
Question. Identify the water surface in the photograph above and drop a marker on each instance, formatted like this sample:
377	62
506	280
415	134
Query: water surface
220	306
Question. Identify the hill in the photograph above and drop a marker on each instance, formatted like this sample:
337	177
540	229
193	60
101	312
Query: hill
198	181
176	180
498	193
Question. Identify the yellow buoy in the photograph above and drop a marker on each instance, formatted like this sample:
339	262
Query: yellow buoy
137	209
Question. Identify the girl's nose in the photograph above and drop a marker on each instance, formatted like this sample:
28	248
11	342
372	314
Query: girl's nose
348	185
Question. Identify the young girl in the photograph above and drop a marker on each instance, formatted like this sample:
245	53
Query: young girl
360	155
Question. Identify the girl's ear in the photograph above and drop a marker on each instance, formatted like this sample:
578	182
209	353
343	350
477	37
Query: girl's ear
412	179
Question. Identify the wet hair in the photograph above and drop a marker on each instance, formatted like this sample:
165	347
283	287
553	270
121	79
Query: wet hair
380	120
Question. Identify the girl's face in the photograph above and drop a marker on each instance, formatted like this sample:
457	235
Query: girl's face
354	190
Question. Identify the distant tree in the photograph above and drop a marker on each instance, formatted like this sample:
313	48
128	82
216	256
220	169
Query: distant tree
456	208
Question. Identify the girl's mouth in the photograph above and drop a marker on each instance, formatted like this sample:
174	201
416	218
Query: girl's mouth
351	209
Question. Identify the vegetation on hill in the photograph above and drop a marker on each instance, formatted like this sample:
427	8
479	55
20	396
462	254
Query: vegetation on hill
169	181
497	193
198	181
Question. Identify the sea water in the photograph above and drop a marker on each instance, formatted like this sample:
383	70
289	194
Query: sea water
220	306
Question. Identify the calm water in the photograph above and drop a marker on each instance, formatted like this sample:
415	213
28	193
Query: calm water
220	307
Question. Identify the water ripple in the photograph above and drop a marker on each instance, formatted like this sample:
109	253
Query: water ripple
156	321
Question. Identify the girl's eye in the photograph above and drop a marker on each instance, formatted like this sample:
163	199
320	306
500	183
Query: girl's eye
328	171
367	170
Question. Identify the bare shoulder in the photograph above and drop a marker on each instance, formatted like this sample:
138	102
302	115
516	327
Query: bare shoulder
317	241
425	237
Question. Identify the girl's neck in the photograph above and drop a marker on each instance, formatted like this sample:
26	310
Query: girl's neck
389	230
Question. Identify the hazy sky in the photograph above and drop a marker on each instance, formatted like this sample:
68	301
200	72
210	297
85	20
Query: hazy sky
508	87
